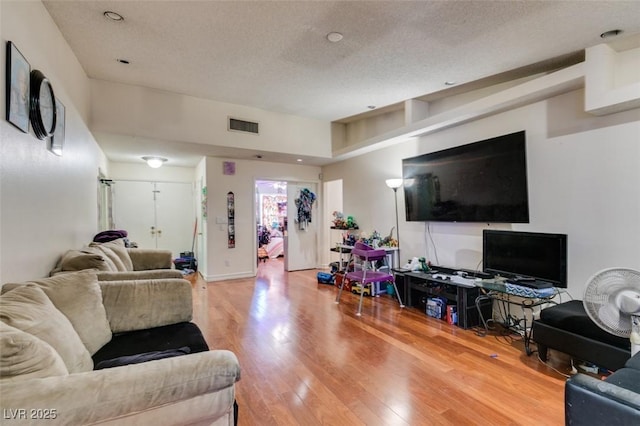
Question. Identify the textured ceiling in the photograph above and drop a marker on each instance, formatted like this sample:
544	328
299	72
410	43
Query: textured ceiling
274	55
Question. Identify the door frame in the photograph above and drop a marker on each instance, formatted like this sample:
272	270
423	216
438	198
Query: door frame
290	221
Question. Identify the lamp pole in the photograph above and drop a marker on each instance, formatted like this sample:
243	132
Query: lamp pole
395	184
395	194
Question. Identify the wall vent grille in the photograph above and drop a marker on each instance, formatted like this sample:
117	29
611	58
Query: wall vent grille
237	125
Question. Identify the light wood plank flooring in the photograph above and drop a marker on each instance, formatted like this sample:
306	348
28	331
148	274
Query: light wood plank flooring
307	361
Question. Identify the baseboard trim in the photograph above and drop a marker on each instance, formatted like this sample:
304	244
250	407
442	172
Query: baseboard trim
237	275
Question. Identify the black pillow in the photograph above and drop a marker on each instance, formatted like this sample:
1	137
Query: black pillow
143	357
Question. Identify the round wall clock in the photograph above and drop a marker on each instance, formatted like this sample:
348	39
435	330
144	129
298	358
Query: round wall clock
42	110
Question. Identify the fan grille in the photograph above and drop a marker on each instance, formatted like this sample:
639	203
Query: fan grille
602	299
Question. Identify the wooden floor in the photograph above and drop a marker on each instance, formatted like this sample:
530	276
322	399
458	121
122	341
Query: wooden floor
307	361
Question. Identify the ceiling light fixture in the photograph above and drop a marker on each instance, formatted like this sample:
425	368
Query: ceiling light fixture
611	33
113	16
334	37
299	160
155	162
449	83
394	183
371	106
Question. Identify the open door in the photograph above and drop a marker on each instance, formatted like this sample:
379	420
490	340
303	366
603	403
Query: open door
301	238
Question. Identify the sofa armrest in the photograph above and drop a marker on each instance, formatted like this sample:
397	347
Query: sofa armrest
590	401
154	274
145	259
98	396
142	304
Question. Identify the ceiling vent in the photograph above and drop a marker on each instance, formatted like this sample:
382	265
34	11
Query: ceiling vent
237	125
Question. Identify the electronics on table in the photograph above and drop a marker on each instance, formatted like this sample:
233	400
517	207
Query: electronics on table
485	181
528	259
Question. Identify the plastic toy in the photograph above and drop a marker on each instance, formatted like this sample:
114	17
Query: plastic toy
357	288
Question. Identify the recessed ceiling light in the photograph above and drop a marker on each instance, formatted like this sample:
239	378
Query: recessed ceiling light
611	33
123	61
334	37
371	106
113	16
449	83
299	160
258	156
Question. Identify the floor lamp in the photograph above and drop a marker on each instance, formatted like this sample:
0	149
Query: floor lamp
395	184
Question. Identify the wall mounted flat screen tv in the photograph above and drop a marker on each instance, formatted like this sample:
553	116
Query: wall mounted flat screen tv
484	181
516	255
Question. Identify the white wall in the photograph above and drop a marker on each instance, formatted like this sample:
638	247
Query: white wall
121	109
583	181
48	204
142	172
333	197
224	262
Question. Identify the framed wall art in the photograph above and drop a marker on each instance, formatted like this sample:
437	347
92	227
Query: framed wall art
18	85
56	142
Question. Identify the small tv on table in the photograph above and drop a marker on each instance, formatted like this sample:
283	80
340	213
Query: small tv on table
526	256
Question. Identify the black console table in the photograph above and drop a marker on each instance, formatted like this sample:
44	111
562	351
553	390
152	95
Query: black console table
463	296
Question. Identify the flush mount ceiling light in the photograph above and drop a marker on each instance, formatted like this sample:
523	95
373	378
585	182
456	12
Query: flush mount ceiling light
334	37
155	162
113	16
611	33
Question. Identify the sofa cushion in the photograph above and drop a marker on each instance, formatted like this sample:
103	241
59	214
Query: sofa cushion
110	256
634	362
24	356
143	304
28	308
116	252
78	260
142	357
79	297
168	337
627	378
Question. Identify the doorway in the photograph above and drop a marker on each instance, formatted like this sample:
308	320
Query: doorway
271	221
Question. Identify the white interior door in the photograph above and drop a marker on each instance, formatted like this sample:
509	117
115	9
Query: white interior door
156	214
301	242
175	216
134	211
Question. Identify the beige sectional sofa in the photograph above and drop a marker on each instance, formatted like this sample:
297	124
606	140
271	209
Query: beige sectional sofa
113	261
52	329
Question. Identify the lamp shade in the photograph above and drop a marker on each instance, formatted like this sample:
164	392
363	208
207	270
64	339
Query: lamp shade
155	162
394	183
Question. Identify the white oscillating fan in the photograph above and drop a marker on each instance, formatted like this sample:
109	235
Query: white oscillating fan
612	301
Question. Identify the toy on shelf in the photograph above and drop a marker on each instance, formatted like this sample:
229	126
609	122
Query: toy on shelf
424	266
389	241
340	222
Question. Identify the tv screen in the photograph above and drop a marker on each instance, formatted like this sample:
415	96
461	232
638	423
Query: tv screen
513	254
484	181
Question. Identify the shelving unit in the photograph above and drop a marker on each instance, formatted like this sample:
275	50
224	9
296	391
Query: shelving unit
464	297
335	242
